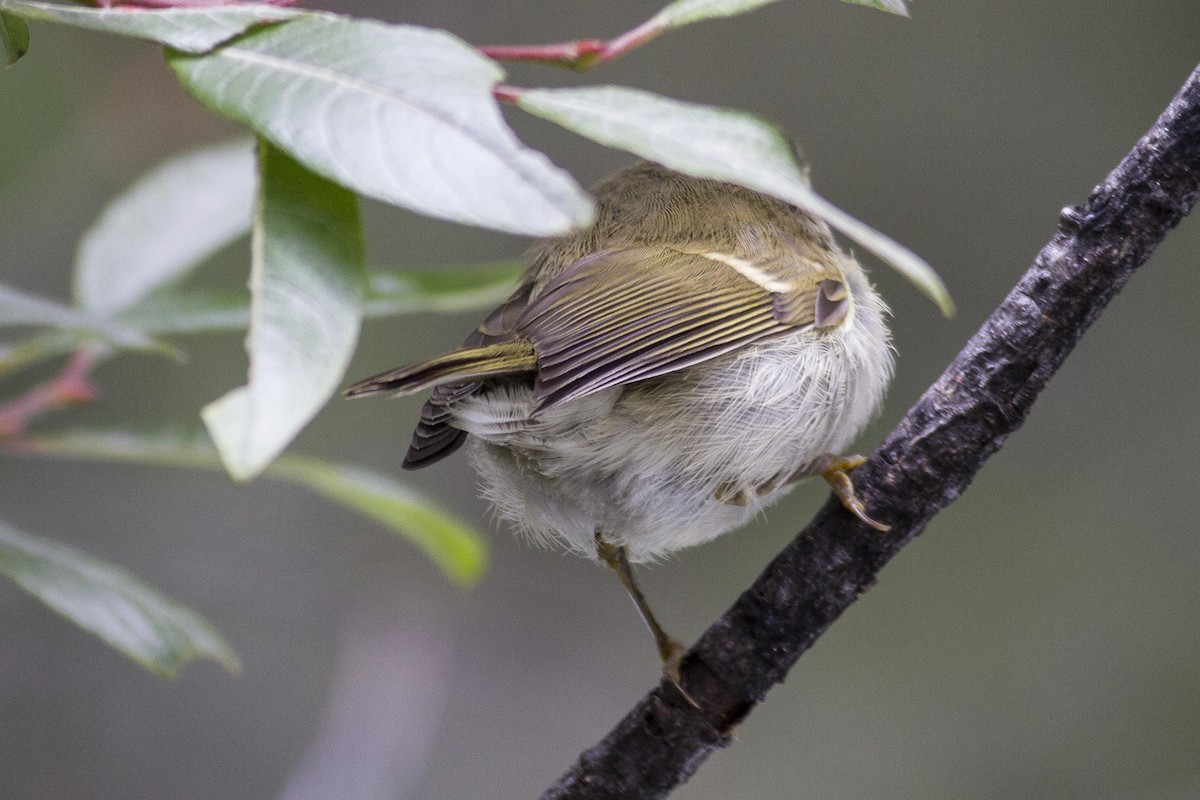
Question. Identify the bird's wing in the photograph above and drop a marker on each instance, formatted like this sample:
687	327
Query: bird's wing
435	437
627	315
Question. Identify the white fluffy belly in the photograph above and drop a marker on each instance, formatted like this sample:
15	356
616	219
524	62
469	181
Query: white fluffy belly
651	465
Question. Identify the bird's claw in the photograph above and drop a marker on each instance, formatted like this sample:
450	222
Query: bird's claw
835	469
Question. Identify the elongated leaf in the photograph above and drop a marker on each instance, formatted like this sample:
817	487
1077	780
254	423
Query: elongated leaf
891	6
399	113
454	546
191	30
164	225
720	144
445	289
388	294
153	630
19	308
14	38
306	285
191	312
39	347
685	12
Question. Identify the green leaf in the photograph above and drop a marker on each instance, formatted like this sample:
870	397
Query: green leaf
19	308
388	294
444	289
454	546
191	30
172	447
719	144
685	12
42	346
153	630
14	38
174	311
306	285
164	225
891	6
399	113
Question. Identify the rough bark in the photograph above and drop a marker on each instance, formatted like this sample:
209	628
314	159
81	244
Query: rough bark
923	465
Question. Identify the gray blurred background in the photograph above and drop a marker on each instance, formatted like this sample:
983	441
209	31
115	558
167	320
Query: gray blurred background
1040	640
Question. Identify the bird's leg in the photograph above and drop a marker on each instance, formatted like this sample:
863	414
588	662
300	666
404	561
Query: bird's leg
670	649
835	469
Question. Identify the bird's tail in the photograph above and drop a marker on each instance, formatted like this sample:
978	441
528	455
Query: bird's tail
458	366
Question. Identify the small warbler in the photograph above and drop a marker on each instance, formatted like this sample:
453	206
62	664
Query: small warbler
660	377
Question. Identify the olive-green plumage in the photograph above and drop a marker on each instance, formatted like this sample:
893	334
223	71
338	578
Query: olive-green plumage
657	379
676	271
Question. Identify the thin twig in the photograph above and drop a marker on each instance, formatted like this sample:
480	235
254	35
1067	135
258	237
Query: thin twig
580	54
923	465
70	387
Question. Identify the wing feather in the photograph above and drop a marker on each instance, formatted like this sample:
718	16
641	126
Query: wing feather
622	316
628	315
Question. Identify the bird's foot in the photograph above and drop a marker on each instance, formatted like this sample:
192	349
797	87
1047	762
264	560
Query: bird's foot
835	469
672	651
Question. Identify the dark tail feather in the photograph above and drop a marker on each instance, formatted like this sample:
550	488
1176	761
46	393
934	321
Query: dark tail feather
458	366
435	438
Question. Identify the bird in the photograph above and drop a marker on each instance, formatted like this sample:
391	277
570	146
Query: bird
660	377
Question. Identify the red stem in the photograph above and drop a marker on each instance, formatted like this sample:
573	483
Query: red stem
566	54
581	54
505	93
69	387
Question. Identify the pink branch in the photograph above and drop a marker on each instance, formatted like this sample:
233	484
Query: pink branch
506	94
68	388
581	54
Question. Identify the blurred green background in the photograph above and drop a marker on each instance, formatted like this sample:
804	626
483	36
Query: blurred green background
1040	640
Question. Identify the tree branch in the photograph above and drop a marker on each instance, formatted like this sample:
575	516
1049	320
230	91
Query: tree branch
69	387
580	54
923	465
